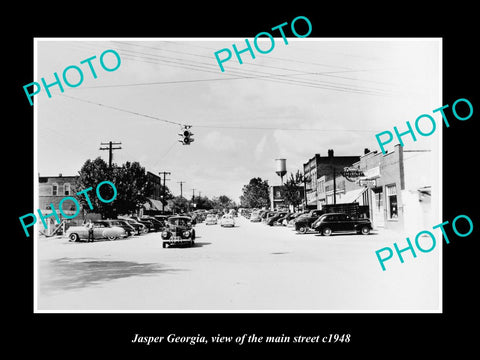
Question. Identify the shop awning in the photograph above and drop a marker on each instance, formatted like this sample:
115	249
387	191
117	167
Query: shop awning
153	205
350	196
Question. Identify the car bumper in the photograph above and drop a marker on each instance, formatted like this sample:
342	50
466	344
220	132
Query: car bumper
177	241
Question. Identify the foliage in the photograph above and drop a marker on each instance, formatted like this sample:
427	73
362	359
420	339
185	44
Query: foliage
223	202
290	191
131	182
255	194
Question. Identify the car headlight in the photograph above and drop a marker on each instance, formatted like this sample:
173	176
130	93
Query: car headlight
186	234
165	235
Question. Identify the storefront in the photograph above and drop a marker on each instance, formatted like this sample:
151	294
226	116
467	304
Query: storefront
384	179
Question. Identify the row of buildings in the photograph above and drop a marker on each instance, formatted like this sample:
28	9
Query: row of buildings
371	185
52	189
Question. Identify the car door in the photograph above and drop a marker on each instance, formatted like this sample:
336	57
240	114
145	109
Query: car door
345	223
98	229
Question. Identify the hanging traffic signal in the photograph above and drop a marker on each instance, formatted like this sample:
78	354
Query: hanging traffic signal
186	135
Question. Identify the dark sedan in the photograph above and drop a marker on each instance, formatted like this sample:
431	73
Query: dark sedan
303	222
129	229
157	224
338	222
275	219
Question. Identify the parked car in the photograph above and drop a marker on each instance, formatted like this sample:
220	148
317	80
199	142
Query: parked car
211	219
304	222
162	218
148	224
101	230
339	222
291	222
227	221
178	231
255	216
275	219
287	218
157	224
130	230
139	228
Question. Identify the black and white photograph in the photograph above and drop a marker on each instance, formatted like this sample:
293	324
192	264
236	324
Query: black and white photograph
259	188
297	179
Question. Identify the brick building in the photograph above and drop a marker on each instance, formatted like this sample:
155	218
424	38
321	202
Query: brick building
321	170
51	191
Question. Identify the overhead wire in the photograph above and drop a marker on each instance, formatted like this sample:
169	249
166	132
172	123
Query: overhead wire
206	67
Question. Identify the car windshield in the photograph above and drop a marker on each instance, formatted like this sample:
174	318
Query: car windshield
178	221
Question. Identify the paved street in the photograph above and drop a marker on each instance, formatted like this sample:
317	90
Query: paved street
249	267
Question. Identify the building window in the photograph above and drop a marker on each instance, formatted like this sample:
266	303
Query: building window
54	189
392	205
321	187
66	187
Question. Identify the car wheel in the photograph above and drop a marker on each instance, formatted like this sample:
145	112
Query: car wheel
365	230
164	245
111	237
302	229
145	231
327	231
74	237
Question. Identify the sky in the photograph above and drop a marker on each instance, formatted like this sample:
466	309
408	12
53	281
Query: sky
298	100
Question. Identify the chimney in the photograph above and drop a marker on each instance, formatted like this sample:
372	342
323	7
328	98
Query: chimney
366	151
330	153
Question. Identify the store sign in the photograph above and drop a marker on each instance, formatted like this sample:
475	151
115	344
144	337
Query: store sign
367	183
352	173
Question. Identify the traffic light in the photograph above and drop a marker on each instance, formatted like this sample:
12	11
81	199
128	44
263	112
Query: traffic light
186	135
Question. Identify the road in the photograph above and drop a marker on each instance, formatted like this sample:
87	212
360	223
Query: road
252	267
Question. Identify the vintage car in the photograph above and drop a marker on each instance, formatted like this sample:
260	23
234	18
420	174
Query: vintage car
139	228
303	222
255	216
157	224
211	219
101	230
276	219
339	222
178	231
227	221
130	230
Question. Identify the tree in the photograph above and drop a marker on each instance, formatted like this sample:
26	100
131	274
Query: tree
133	187
223	202
91	174
290	191
179	204
130	180
255	194
203	202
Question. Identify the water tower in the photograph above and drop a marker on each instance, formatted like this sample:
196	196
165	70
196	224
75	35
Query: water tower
281	168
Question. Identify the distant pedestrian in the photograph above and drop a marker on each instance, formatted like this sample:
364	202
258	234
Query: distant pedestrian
90	231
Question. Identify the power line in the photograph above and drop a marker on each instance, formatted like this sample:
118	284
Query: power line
207	67
123	110
216	126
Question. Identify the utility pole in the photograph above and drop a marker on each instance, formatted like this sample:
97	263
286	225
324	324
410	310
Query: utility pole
193	195
110	149
164	173
181	187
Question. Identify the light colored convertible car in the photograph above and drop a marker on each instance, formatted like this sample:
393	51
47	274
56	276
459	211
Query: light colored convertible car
101	230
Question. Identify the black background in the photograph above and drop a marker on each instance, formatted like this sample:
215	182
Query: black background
379	335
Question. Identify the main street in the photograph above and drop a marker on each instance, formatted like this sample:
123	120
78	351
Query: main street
249	267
